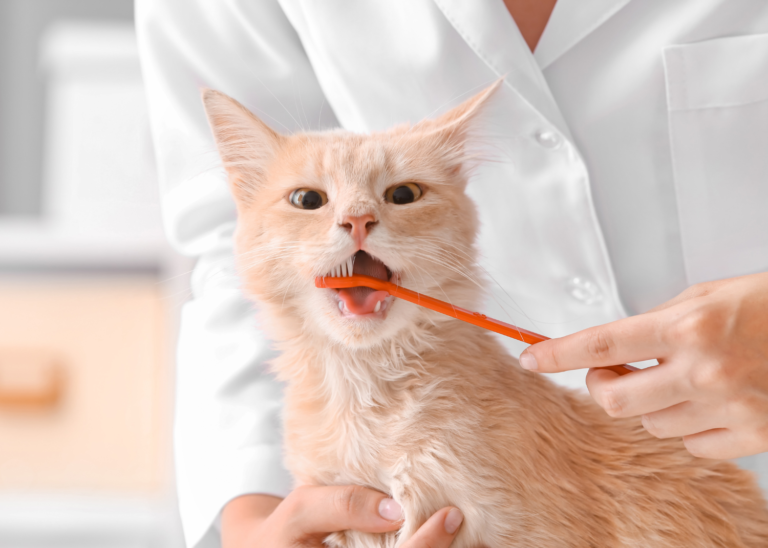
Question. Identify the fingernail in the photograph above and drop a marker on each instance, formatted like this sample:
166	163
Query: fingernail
528	361
390	509
453	520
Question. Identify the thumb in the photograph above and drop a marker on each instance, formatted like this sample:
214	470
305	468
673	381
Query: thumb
327	509
438	531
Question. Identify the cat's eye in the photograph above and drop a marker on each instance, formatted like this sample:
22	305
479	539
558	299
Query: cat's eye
404	193
308	198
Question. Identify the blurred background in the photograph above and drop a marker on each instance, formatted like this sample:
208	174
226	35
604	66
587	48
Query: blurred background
88	288
89	291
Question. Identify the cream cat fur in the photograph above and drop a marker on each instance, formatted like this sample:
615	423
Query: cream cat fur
427	408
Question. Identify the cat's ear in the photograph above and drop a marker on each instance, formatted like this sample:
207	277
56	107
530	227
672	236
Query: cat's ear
462	115
247	146
454	129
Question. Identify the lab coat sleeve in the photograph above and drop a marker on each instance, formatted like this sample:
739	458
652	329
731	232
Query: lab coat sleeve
227	431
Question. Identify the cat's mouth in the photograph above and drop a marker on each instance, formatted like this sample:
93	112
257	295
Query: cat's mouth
362	301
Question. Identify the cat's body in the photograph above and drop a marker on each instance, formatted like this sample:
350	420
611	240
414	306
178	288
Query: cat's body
529	463
422	406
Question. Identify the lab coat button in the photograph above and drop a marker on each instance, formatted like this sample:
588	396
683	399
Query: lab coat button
548	139
583	290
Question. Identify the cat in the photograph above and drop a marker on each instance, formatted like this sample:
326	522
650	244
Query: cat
385	394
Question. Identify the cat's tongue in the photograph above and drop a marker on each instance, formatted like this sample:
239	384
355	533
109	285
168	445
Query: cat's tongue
363	300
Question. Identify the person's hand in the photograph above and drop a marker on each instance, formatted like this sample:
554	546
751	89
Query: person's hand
711	384
309	514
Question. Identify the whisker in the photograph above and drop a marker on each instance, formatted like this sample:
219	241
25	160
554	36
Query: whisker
450	259
486	272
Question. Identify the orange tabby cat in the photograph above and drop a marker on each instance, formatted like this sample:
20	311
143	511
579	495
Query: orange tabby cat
434	411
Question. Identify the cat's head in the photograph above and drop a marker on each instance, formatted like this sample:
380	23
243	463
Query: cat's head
392	203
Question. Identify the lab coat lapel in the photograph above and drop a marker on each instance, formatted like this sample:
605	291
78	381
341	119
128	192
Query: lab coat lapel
490	31
571	21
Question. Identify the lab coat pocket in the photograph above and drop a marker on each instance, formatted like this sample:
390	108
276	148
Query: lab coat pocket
717	100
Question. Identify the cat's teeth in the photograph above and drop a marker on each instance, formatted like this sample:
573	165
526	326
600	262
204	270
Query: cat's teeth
377	307
341	306
350	264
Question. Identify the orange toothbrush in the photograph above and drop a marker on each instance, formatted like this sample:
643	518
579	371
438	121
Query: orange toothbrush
475	318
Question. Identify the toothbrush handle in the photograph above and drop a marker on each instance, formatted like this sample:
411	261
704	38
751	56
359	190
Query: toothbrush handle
475	318
481	320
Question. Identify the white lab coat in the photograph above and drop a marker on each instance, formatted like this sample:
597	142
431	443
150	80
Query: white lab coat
631	163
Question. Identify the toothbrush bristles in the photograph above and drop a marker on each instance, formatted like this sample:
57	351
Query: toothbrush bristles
344	270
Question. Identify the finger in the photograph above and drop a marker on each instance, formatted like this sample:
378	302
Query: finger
724	443
629	340
327	509
684	419
438	531
644	391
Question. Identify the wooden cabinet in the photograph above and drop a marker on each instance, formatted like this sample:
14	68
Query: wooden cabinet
103	339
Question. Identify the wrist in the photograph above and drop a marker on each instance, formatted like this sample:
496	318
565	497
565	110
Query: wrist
243	515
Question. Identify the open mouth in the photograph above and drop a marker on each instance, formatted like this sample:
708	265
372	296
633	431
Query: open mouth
361	301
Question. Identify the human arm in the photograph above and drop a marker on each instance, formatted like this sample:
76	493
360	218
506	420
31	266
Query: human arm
711	384
308	514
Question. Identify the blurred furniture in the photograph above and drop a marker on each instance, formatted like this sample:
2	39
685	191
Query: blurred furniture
99	169
89	411
88	297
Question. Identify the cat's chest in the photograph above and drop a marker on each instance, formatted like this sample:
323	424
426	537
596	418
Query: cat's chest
334	445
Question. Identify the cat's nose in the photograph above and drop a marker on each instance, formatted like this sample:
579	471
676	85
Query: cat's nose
359	227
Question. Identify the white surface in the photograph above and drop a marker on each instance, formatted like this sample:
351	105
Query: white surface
83	521
39	244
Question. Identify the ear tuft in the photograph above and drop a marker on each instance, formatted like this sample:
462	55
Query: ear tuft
453	129
469	109
247	146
